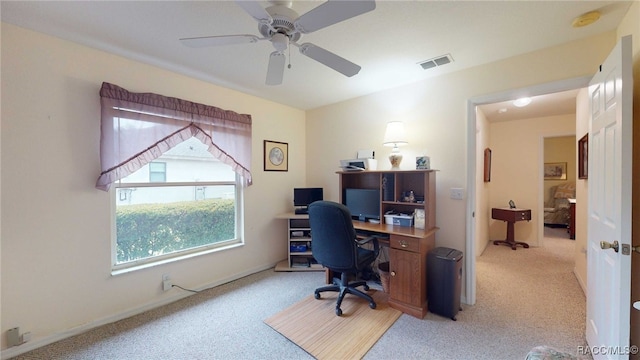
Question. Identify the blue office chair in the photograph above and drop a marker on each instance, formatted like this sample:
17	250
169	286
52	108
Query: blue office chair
335	246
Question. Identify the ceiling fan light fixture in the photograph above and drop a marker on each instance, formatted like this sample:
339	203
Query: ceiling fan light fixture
280	42
283	27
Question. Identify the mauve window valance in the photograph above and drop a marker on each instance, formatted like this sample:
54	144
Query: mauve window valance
137	128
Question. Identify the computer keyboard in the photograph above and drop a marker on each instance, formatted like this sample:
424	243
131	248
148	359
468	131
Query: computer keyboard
369	233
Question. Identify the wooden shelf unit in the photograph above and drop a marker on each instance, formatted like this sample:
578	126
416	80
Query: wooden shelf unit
298	233
392	185
408	246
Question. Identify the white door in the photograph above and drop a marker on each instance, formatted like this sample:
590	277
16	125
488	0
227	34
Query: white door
609	208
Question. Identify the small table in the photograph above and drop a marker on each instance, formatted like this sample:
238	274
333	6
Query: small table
511	216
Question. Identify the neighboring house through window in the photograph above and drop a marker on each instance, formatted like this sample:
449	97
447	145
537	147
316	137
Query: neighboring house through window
192	208
177	170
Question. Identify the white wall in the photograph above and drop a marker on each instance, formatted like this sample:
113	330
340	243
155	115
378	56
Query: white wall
56	272
434	111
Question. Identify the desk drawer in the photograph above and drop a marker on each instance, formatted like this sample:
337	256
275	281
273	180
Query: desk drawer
523	215
511	214
404	243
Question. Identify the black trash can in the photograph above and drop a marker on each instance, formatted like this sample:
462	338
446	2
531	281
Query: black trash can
444	280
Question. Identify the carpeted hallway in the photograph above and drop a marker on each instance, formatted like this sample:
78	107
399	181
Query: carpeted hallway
525	298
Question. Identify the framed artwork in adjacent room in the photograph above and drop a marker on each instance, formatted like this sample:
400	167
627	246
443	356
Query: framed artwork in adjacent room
555	171
276	156
583	157
487	165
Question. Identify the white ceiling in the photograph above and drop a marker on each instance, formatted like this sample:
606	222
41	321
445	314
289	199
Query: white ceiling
387	42
560	103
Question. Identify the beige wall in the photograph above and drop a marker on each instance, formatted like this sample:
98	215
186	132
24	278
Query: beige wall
434	111
56	226
482	208
516	169
560	149
582	127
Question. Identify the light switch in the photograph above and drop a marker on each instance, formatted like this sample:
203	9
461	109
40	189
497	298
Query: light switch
457	193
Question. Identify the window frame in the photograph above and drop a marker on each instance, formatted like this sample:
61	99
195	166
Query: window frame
183	254
155	172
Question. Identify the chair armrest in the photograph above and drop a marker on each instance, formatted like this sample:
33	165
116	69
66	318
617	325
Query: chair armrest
376	245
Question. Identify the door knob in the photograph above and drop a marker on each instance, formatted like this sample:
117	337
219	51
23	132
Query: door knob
393	273
607	245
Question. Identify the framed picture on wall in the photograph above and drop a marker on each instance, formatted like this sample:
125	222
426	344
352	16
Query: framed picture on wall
555	171
487	165
583	157
276	156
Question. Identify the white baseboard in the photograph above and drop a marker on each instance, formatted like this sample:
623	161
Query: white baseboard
35	344
580	281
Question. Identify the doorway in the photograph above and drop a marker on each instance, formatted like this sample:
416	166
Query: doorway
477	189
559	188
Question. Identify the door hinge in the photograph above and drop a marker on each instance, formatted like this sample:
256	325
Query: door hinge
627	249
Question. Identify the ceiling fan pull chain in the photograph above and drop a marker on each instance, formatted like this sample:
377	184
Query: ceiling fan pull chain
289	57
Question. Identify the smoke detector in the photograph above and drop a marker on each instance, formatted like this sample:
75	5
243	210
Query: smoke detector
586	19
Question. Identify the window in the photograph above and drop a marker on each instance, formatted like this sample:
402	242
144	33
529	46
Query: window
162	215
178	168
157	171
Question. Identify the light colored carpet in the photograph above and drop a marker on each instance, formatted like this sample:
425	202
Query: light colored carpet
313	325
525	298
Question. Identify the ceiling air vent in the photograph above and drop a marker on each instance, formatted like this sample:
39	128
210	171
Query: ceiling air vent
436	61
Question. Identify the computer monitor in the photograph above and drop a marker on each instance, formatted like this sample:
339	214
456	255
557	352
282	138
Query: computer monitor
302	197
364	204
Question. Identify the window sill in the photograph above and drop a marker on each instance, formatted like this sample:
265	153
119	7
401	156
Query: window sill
146	265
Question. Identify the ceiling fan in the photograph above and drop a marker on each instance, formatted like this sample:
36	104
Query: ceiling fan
283	27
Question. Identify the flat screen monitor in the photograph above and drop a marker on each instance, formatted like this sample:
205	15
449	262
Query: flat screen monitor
302	197
363	204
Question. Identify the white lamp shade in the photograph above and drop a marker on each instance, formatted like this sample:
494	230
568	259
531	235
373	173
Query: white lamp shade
395	134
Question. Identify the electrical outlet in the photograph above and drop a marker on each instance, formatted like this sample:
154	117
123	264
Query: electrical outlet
13	337
166	282
26	337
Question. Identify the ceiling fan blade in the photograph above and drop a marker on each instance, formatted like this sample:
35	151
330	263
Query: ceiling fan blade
330	59
332	12
198	42
256	10
275	71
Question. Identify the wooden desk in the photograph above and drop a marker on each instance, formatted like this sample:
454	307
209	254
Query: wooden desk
408	248
511	216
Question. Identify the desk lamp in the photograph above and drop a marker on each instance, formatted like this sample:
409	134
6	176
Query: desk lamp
395	136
